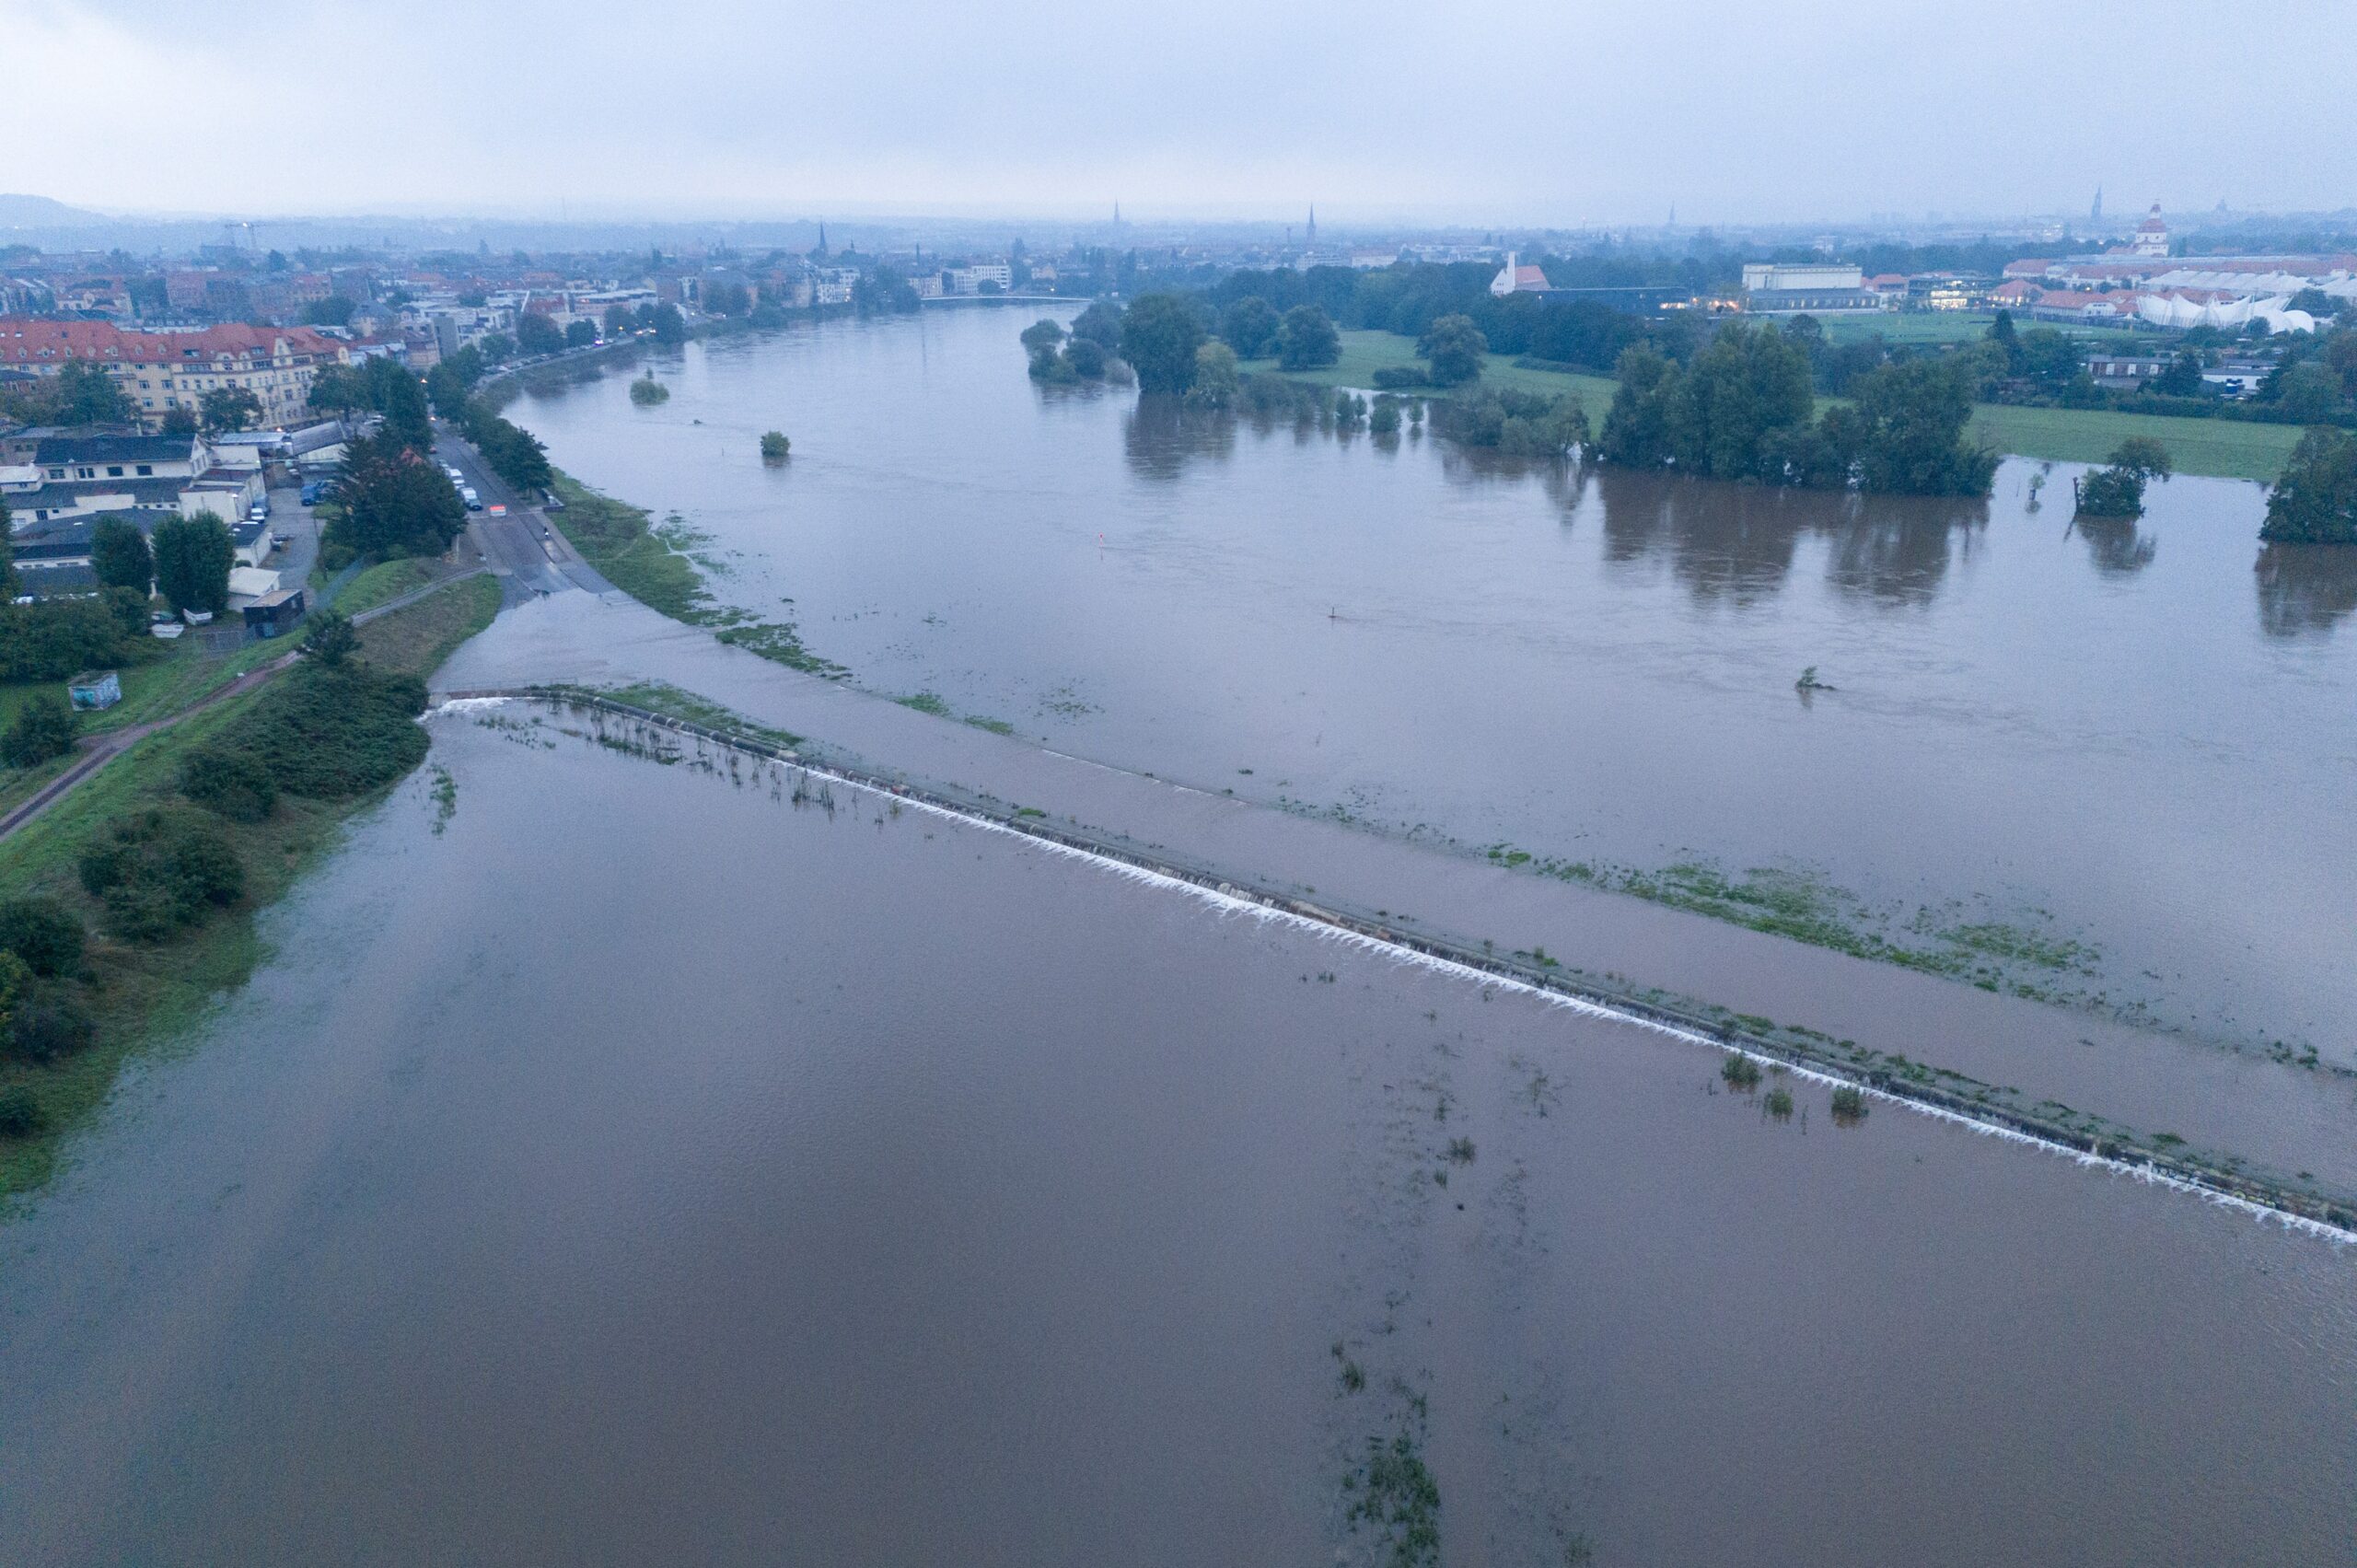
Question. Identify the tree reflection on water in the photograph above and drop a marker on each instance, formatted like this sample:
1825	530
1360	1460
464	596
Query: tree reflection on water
2305	591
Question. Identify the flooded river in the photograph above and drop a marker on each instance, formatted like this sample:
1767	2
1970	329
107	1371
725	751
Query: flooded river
2107	766
638	1164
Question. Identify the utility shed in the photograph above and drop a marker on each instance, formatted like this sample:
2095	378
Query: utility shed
274	613
95	689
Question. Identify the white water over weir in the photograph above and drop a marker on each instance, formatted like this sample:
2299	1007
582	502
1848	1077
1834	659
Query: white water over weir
2310	1215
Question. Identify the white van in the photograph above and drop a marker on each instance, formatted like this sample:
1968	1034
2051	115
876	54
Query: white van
467	493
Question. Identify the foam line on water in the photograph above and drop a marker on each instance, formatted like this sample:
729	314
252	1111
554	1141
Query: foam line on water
1399	954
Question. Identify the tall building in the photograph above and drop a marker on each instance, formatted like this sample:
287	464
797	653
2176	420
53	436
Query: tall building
2094	213
2151	235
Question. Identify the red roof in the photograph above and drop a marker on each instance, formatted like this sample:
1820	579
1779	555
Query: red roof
27	341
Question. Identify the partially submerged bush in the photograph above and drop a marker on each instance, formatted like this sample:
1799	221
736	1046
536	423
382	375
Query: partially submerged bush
1740	1072
48	1025
21	1114
775	447
43	932
1849	1106
1521	424
333	733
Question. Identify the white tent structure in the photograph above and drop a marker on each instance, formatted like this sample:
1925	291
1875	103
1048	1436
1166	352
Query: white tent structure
2179	312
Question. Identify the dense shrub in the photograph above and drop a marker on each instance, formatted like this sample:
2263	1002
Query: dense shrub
43	932
43	729
231	783
21	1114
332	732
48	1025
1402	377
58	638
162	869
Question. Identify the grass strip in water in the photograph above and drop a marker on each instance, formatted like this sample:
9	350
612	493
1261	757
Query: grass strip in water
618	539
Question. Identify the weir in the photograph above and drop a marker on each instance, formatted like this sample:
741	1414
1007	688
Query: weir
2312	1213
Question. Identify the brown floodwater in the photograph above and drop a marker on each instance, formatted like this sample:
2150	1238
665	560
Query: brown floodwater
638	1164
2112	764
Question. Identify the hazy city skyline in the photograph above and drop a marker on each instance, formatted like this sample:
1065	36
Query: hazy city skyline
1380	112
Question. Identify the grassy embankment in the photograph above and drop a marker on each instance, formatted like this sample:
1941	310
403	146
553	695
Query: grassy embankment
184	675
140	992
388	580
2226	448
654	566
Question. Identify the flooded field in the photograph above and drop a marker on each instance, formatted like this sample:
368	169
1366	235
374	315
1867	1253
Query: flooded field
624	1161
2106	767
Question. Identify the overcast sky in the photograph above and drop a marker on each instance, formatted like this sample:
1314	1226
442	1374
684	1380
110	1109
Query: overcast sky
1508	111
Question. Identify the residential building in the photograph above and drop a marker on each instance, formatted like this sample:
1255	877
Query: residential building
970	279
2125	372
162	371
54	477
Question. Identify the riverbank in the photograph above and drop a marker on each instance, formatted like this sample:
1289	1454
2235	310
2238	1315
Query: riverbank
2221	448
139	992
656	564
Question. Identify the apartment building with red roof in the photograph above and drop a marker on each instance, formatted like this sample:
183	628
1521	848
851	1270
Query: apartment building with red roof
163	371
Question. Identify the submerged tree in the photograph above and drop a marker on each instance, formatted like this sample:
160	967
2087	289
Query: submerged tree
2315	501
2118	491
1159	337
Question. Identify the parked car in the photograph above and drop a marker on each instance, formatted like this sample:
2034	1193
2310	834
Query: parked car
467	493
312	491
553	501
456	477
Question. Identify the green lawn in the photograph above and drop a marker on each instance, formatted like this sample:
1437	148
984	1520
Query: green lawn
2228	449
418	637
1365	352
1908	327
185	674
